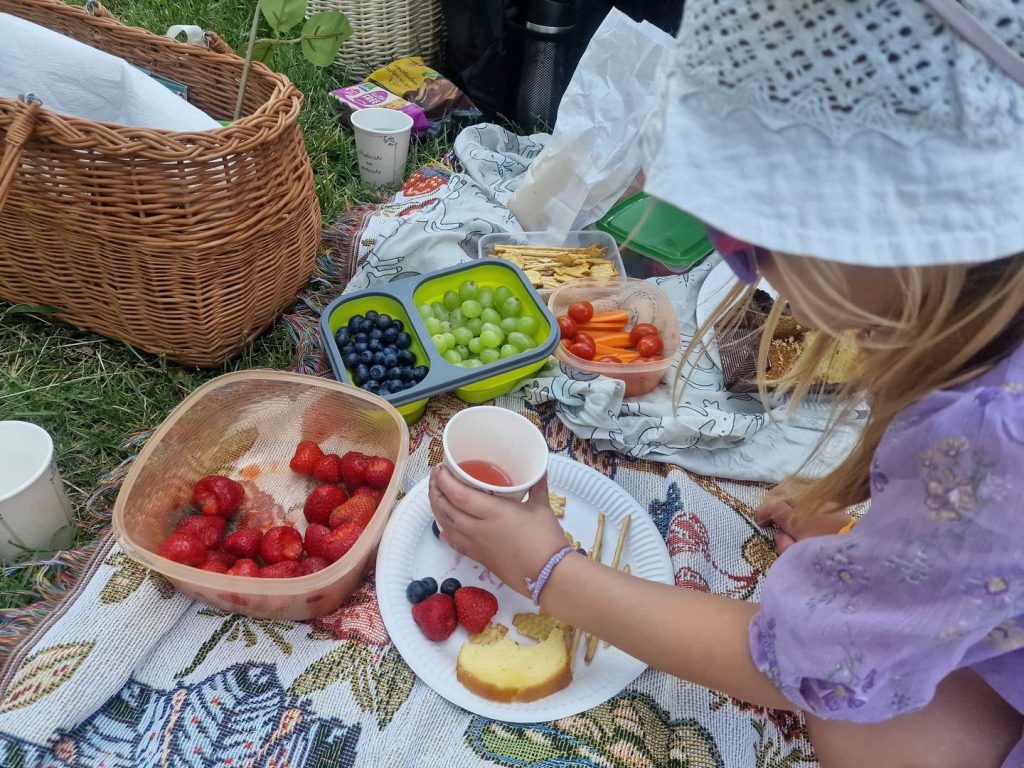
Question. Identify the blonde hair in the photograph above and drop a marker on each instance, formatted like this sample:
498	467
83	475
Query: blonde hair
955	322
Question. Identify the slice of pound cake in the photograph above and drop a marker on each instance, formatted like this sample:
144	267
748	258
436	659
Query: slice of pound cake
498	668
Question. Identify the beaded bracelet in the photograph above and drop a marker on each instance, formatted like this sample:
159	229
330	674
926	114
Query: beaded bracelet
536	585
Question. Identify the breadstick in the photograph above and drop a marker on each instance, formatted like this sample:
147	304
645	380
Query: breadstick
595	554
592	639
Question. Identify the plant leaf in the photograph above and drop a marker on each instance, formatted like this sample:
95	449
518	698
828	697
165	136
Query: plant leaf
394	682
31	309
282	15
263	51
322	36
336	665
43	673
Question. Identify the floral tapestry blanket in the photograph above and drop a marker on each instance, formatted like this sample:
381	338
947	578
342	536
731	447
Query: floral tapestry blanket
121	671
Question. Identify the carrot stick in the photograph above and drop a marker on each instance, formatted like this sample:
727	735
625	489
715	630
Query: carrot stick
622	355
620	316
611	339
600	327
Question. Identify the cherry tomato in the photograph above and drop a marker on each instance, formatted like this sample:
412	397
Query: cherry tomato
586	338
608	359
641	330
649	346
581	311
582	350
567	327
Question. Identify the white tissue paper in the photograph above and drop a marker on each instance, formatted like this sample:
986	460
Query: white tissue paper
594	152
75	79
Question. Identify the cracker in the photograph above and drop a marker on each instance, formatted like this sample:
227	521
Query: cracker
557	504
550	268
492	633
537	626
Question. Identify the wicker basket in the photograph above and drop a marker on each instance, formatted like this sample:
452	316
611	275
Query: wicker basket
385	30
184	244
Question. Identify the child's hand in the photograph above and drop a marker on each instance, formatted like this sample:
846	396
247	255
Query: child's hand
776	510
513	539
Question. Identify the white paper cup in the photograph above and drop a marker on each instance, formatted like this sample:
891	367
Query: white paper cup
382	143
501	437
34	509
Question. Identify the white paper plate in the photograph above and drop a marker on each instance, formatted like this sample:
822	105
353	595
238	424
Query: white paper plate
716	286
409	551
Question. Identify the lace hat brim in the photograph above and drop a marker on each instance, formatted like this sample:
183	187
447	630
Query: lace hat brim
858	198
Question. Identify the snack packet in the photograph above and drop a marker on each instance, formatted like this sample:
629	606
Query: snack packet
366	95
441	100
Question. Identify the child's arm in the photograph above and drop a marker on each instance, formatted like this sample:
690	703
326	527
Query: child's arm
692	635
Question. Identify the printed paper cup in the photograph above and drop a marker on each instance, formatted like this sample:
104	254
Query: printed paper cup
382	143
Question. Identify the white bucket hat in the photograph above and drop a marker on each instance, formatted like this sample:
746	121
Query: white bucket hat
874	132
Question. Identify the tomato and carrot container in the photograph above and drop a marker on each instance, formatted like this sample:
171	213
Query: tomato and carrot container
245	427
625	330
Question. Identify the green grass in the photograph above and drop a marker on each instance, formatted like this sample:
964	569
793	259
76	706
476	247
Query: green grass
91	393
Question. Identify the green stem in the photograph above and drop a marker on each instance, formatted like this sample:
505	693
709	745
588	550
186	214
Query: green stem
248	61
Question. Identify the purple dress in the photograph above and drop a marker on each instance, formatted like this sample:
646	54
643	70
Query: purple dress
863	626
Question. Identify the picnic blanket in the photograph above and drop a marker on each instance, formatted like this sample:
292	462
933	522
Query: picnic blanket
122	671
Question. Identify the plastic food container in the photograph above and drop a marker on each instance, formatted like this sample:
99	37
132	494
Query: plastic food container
656	238
400	299
646	303
246	426
581	239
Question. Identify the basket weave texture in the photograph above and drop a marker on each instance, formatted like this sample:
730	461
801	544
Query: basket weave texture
183	244
386	30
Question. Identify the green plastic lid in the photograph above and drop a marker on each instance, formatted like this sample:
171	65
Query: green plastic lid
657	230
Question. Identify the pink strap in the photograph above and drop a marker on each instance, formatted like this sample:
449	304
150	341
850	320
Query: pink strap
998	52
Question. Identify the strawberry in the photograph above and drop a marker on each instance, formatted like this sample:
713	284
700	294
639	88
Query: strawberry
475	607
282	570
307	454
218	495
183	548
244	543
435	617
358	510
281	543
353	469
311	565
217	561
378	472
328	469
244	567
322	501
373	493
316	539
207	529
341	540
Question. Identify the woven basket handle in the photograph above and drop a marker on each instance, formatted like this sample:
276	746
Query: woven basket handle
18	133
211	39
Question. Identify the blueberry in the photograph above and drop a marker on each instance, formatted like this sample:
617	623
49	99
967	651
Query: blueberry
354	322
420	372
372	385
406	357
376	333
395	385
403	340
397	324
374	345
380	358
351	360
359	347
408	374
390	335
394	373
416	592
363	337
435	529
342	337
390	358
373	314
360	374
365	326
450	587
366	357
383	322
429	584
377	372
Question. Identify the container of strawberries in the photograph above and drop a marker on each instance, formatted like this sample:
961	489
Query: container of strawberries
265	493
625	330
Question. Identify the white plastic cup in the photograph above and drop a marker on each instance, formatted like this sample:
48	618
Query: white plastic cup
34	509
501	437
382	143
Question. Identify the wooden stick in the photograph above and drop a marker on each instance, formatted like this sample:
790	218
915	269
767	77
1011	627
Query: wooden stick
623	532
594	554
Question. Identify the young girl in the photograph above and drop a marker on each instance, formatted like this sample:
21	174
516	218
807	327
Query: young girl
877	157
